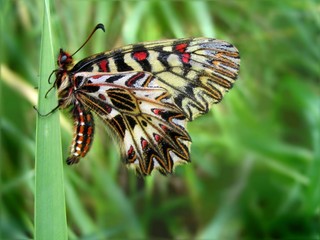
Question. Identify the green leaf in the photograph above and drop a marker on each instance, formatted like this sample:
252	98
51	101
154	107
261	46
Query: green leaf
50	211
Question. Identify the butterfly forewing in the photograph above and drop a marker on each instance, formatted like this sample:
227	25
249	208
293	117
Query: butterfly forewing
197	72
146	93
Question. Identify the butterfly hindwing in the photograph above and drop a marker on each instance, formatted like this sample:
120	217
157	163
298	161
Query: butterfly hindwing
150	128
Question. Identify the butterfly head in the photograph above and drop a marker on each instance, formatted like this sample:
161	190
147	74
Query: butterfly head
65	60
63	82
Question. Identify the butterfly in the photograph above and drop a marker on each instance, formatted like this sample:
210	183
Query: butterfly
145	93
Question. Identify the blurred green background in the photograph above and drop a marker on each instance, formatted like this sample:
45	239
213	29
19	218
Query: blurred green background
255	157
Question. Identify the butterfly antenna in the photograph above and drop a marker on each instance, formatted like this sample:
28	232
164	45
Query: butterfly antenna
99	26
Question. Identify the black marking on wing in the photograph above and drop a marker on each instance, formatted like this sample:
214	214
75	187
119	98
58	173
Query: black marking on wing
119	61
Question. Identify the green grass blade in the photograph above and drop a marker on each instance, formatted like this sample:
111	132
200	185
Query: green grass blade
50	212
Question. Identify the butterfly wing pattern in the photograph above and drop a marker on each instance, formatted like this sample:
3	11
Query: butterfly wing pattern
146	93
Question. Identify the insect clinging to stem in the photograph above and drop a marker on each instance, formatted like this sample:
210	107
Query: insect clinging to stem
145	93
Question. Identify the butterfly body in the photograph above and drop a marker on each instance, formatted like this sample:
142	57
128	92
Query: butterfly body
146	93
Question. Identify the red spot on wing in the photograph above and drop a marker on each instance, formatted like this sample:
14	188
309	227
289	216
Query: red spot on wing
140	56
164	128
104	66
157	111
108	108
96	76
181	47
130	152
144	143
186	57
102	97
157	137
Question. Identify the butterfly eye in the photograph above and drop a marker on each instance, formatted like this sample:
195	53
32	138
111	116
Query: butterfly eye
63	58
